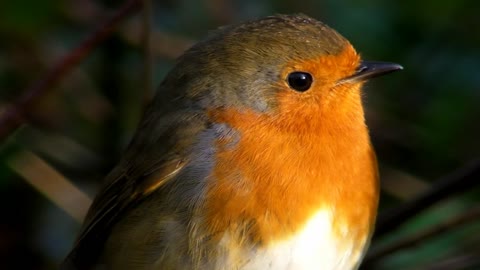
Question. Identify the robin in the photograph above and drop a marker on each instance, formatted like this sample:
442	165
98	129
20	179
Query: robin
254	154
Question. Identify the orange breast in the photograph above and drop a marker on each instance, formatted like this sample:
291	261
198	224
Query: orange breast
271	182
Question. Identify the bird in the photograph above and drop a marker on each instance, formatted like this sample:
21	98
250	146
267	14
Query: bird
253	154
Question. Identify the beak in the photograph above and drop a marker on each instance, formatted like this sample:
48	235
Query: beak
370	69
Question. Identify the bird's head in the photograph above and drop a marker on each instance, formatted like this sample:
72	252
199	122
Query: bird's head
288	67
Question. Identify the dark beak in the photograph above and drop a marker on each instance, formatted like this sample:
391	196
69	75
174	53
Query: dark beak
370	69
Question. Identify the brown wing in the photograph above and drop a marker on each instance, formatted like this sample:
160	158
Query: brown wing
157	153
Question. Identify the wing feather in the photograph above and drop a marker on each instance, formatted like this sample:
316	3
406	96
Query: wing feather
158	152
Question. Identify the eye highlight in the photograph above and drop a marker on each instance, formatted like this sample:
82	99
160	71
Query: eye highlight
300	81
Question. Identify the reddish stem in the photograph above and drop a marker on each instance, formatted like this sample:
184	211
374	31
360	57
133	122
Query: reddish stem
16	114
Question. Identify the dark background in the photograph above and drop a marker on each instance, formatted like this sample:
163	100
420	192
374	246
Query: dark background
424	120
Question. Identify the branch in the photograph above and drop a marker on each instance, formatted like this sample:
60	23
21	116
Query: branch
52	184
458	181
465	261
16	114
147	50
467	217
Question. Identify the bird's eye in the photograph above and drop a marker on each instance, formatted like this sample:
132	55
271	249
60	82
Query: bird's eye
300	81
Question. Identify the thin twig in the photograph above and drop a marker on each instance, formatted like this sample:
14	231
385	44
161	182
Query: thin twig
464	261
16	114
147	50
458	181
51	183
417	238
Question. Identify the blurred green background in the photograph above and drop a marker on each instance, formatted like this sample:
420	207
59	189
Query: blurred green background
425	120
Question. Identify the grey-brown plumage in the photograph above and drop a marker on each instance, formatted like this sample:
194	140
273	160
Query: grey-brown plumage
146	214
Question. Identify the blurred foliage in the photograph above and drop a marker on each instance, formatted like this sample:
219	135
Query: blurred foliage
424	121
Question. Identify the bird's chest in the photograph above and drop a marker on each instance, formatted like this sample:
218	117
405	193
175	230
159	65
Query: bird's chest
291	202
317	245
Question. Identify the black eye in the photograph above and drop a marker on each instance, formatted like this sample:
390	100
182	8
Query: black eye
300	81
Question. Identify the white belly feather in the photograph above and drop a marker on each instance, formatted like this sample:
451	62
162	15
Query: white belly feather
314	247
